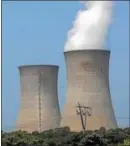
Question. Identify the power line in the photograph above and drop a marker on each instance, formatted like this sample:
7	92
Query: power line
123	118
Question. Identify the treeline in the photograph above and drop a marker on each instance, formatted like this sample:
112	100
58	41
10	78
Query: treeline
64	137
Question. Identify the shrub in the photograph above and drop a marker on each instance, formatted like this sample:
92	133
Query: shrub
64	137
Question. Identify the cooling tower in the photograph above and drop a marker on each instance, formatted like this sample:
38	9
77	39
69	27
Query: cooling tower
39	109
88	85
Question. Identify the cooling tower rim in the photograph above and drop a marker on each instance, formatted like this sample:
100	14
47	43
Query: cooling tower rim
88	50
35	66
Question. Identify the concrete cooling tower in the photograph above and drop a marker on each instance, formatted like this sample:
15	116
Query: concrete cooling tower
88	104
39	109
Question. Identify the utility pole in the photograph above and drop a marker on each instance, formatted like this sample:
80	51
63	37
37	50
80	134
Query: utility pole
83	111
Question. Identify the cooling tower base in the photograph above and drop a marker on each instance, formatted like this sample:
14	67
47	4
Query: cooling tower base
92	123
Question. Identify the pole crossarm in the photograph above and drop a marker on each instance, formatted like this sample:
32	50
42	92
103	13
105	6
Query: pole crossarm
83	111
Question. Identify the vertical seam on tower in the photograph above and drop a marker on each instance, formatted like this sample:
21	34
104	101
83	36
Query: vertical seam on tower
40	102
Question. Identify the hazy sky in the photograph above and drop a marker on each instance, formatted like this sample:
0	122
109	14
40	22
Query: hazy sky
35	33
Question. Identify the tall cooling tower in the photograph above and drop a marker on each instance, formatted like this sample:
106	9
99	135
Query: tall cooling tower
39	109
88	86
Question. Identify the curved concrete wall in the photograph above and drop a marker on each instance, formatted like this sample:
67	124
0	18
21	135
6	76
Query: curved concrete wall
39	100
88	84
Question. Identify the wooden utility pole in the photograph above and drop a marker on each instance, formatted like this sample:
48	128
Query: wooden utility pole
83	111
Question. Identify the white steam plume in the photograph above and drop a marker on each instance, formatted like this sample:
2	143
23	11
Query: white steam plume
90	27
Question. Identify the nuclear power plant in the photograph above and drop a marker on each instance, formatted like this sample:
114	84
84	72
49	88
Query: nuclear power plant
39	109
88	100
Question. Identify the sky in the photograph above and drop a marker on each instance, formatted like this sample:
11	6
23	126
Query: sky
36	32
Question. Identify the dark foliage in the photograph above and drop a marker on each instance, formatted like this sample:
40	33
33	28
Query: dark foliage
64	137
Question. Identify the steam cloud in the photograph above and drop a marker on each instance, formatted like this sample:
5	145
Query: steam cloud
90	27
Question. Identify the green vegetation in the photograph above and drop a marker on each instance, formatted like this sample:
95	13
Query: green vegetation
63	137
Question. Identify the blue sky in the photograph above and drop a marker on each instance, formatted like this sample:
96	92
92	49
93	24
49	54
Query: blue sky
35	33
